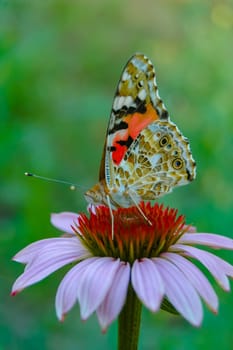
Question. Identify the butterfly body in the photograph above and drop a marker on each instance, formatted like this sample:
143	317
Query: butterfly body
145	155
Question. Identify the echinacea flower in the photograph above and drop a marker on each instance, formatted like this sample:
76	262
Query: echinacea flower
155	262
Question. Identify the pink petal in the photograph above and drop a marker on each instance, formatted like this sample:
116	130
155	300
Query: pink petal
208	239
115	299
180	292
217	266
147	283
63	221
66	295
29	253
95	283
196	277
49	259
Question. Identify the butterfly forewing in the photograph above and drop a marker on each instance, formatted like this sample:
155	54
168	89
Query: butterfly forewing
136	105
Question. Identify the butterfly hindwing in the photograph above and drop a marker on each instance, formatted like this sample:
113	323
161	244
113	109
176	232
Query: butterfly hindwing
157	161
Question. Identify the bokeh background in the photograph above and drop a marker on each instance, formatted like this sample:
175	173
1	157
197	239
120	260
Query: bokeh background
60	61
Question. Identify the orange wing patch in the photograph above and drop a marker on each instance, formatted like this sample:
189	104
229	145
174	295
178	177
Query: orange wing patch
139	121
136	123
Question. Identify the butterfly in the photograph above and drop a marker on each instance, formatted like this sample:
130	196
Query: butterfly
145	155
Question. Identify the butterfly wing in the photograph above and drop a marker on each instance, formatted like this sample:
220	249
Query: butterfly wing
136	105
156	162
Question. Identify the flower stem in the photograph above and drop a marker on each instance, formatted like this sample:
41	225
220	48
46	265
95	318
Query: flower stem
129	322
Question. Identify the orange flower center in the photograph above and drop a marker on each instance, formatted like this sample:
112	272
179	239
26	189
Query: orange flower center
133	237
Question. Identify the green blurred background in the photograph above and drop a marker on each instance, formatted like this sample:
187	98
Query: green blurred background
60	62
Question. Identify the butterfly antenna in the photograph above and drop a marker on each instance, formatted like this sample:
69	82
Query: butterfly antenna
73	187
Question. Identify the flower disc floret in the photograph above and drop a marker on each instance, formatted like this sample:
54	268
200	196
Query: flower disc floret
134	238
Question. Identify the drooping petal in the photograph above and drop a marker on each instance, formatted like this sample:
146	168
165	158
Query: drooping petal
219	268
180	292
208	239
58	244
95	283
50	259
63	221
66	295
115	299
147	283
196	278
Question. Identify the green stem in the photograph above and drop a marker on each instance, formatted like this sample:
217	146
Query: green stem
129	322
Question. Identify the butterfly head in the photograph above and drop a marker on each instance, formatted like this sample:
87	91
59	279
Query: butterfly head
96	194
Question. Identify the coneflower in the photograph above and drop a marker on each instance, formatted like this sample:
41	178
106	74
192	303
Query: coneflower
142	264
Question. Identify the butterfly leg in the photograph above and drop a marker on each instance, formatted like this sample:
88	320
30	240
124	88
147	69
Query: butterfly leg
139	209
111	214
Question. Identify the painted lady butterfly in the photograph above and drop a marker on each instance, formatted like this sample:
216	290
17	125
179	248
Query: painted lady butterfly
145	155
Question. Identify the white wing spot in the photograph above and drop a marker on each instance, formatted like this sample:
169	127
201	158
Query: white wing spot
121	101
142	94
118	102
128	101
154	159
125	76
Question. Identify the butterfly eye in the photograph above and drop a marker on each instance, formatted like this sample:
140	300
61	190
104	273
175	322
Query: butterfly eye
177	163
163	141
